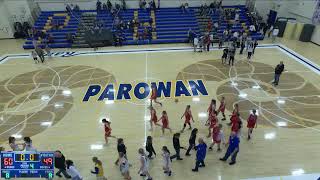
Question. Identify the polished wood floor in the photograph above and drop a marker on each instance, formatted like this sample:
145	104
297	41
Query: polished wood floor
44	101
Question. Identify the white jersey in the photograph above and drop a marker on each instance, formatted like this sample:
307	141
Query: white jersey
195	41
275	32
166	160
145	164
73	172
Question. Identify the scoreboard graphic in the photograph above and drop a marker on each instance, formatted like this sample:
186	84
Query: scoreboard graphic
24	164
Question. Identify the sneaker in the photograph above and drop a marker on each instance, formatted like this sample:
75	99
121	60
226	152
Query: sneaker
59	175
142	175
221	159
169	173
149	179
165	172
223	119
188	154
232	163
210	148
202	165
190	128
219	149
195	170
179	159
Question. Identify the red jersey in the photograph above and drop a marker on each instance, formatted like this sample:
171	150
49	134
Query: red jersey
213	119
234	117
222	106
154	117
165	121
211	108
107	130
153	94
215	134
252	120
188	116
235	126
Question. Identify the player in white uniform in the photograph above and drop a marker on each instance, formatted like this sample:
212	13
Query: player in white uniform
166	160
143	171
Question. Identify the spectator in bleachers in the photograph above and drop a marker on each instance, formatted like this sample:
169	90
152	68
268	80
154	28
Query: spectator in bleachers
117	6
237	16
212	8
215	26
68	8
242	46
186	7
69	38
104	7
98	4
252	28
191	36
142	4
147	6
183	8
76	8
124	5
275	33
50	39
211	39
195	43
154	7
207	41
232	52
209	26
109	5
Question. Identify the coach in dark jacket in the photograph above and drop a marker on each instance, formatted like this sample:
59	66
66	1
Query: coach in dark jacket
277	72
59	163
176	146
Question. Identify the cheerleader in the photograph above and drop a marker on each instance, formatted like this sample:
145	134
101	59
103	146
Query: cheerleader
98	169
252	123
154	118
144	165
124	166
222	108
165	122
107	130
234	114
188	116
166	160
212	121
154	96
217	137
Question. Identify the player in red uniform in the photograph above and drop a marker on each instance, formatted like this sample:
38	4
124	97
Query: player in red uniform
234	114
154	96
222	108
217	136
107	130
212	121
236	125
252	123
165	122
153	118
212	107
188	116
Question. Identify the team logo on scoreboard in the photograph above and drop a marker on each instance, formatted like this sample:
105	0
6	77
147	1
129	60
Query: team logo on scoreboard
142	90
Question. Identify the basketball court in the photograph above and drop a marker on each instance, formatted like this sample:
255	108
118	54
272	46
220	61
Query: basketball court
45	101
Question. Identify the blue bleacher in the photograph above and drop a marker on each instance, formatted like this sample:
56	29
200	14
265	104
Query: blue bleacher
171	25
